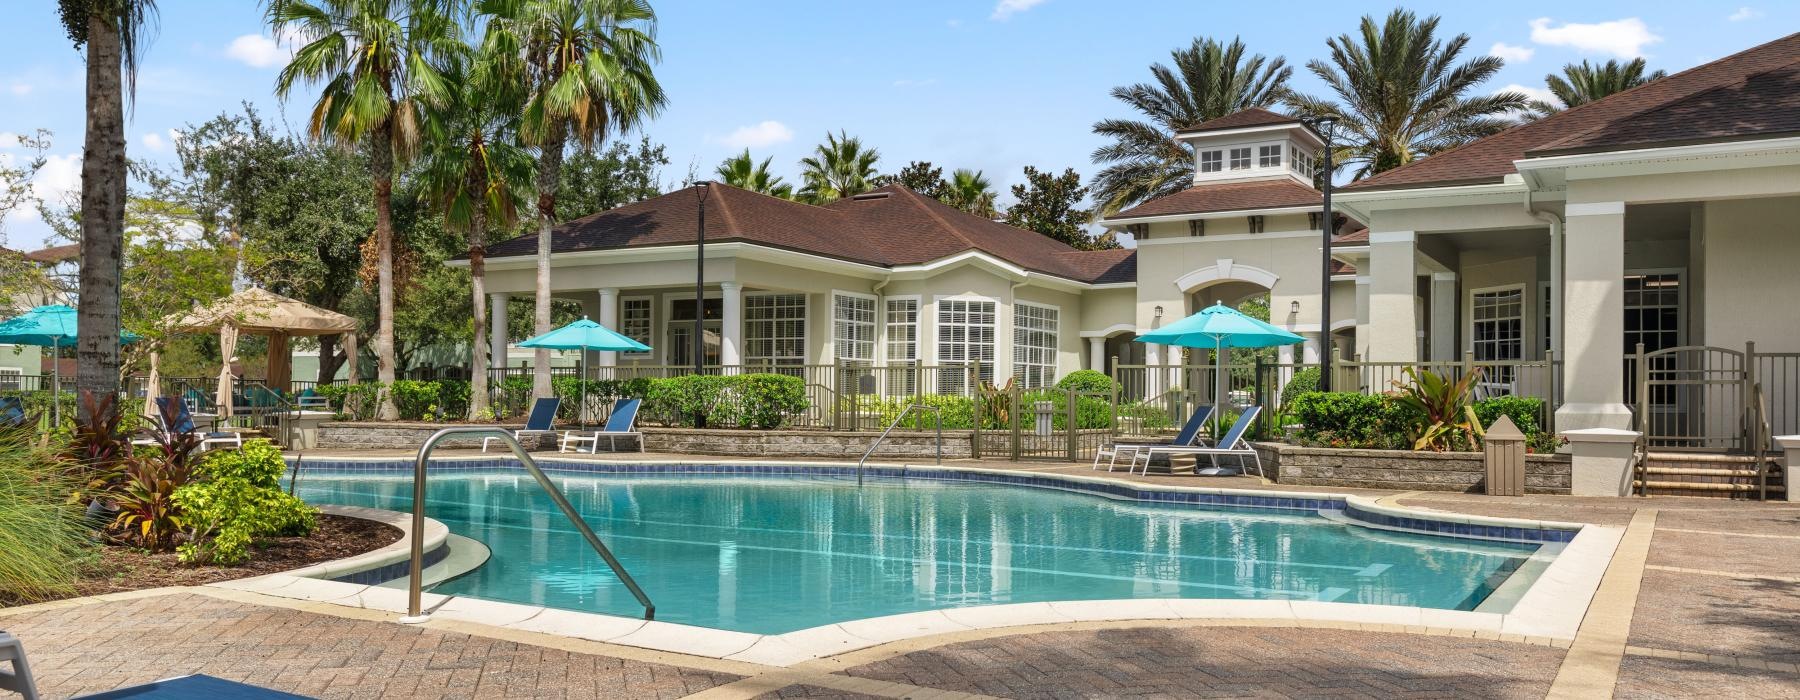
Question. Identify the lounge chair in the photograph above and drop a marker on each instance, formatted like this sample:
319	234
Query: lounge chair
620	424
12	412
18	679
178	421
309	400
541	421
1190	433
1231	443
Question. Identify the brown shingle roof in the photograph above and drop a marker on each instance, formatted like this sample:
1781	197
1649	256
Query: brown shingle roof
1105	266
55	254
1254	116
1760	105
887	227
1491	158
1360	235
1228	196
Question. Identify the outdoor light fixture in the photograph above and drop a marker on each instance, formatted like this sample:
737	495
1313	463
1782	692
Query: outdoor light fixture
1322	126
1159	311
1294	306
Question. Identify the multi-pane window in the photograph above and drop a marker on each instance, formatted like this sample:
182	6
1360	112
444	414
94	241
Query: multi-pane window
1034	345
11	379
1302	163
775	329
853	328
1497	332
1210	161
1268	156
634	321
1197	227
1240	158
1256	223
902	343
965	333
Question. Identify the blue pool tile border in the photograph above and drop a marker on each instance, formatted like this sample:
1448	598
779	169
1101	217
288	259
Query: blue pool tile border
394	570
1113	489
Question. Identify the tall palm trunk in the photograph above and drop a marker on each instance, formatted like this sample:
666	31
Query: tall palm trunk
102	212
478	375
548	177
381	165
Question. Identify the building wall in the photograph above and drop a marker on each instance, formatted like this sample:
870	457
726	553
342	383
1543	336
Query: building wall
1288	251
24	359
1751	279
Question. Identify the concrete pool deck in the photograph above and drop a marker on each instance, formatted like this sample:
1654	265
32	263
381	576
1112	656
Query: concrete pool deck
1699	600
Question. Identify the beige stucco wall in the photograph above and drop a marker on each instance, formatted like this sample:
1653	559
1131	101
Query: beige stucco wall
1752	247
1486	273
1289	258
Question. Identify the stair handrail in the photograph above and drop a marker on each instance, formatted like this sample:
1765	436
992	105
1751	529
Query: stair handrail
1761	433
416	577
936	410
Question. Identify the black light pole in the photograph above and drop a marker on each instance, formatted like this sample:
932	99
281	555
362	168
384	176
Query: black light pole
698	346
1322	125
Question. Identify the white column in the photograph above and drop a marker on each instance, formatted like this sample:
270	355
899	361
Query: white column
1310	351
1393	319
609	317
731	331
1363	329
1790	448
1097	353
1153	376
1443	316
497	330
1594	318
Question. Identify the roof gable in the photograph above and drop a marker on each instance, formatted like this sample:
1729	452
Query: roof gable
1242	119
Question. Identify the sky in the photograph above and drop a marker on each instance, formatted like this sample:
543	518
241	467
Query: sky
992	85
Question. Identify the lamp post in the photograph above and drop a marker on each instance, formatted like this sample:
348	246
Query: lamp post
698	345
1323	127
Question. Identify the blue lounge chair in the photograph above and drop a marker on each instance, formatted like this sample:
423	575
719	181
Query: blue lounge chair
1232	443
1189	435
621	423
178	421
542	421
12	412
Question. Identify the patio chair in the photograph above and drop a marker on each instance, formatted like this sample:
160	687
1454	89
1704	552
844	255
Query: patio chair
18	679
1190	433
12	412
620	424
1232	443
309	400
542	421
178	421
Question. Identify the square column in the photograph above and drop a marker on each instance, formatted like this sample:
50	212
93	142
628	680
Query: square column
731	325
1393	316
497	329
1594	315
1443	316
1153	383
609	317
1363	330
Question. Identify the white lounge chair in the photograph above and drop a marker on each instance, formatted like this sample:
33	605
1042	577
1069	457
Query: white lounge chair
18	679
1190	433
619	424
542	421
1232	443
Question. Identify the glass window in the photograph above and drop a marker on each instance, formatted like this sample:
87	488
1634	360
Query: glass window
965	333
1268	157
853	328
775	329
1034	345
634	321
1240	158
1497	333
902	343
11	379
1196	227
1209	161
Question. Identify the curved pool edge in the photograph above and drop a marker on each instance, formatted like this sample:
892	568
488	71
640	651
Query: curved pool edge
371	567
1551	608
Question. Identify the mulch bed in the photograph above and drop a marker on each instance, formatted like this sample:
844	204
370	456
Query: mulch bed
115	569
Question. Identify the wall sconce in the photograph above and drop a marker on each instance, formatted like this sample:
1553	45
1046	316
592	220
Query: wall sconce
1159	311
1294	306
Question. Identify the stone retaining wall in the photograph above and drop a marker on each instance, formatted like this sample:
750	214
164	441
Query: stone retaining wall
1402	470
806	443
370	435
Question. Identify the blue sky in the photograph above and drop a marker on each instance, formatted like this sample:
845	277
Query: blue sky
987	84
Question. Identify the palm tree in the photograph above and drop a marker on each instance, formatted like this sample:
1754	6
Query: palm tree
1403	93
1583	82
114	34
475	170
970	191
1209	80
383	63
585	68
742	171
838	168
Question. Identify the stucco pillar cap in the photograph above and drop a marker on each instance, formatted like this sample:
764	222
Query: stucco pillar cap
1788	442
1600	435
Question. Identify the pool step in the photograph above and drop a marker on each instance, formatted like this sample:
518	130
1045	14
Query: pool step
1707	475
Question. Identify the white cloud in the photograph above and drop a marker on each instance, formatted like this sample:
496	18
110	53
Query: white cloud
759	135
20	88
160	142
258	51
953	23
1625	38
1535	93
1744	13
1511	54
60	175
1007	8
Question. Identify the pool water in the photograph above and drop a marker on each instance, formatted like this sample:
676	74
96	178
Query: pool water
773	554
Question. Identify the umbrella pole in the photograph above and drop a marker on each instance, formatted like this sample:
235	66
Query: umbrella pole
55	384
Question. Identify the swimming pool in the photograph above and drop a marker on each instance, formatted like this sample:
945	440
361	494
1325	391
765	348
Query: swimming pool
773	553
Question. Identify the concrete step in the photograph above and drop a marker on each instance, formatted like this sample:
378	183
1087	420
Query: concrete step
1705	486
1748	473
1703	458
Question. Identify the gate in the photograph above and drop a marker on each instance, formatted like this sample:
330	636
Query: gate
1694	397
1049	424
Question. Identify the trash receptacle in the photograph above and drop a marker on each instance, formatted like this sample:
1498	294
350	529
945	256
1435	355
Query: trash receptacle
1505	447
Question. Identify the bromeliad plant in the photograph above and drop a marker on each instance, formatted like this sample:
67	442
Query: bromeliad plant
1445	418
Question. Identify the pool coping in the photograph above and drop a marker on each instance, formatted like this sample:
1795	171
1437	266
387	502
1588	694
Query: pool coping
1552	607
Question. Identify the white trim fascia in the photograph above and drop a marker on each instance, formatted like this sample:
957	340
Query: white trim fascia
1358	250
1360	201
1110	331
1226	269
1443	277
1024	276
729	249
1574	209
1113	285
1228	237
1343	278
1377	237
1776	146
1228	214
1244	130
1365	279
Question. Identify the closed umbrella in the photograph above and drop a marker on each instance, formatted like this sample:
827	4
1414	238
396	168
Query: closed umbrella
52	326
1219	327
584	335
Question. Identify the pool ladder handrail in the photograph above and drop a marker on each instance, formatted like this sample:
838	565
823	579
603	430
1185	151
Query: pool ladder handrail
938	411
415	584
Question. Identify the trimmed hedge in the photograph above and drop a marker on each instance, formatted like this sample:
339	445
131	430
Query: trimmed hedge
731	401
1354	420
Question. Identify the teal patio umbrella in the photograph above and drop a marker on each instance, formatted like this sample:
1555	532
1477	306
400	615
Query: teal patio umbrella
1219	327
584	335
52	326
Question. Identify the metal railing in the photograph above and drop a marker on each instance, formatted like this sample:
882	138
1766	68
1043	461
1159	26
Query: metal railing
1761	434
897	419
416	579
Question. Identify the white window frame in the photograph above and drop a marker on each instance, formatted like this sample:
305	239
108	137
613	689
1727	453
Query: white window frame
1263	156
1249	159
874	327
667	354
954	376
1212	161
750	358
1023	366
649	330
888	326
17	383
1499	382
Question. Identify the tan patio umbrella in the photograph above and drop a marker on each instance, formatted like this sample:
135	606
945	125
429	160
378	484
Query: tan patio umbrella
228	335
261	312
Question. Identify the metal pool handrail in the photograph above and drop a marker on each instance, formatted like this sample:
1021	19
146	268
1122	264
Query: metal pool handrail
939	412
415	584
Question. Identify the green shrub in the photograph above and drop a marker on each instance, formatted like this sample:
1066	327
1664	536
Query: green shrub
235	499
453	399
1525	412
258	463
1350	419
352	401
1303	382
42	534
740	400
1087	381
415	400
958	411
